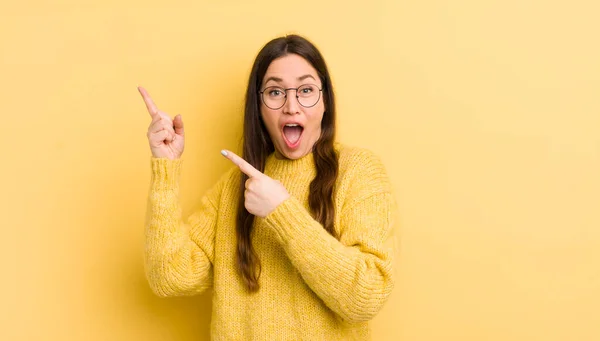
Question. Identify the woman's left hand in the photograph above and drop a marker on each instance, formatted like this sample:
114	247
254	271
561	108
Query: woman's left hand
263	194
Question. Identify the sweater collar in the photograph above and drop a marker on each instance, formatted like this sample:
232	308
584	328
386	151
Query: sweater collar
275	165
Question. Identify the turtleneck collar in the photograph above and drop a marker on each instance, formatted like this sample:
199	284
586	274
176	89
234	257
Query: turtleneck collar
277	164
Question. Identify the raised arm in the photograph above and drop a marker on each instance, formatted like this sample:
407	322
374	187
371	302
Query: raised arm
178	255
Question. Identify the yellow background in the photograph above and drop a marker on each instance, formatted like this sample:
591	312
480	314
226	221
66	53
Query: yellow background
486	114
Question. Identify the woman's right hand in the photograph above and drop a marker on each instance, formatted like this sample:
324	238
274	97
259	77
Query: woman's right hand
165	135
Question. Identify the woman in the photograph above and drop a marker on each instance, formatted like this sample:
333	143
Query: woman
293	239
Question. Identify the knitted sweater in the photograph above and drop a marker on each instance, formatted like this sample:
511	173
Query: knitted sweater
312	285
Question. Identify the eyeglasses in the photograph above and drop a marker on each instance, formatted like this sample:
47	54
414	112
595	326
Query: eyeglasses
274	97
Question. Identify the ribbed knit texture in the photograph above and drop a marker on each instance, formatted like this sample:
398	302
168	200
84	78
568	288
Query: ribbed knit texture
312	286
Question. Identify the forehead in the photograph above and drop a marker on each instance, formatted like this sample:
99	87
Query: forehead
289	68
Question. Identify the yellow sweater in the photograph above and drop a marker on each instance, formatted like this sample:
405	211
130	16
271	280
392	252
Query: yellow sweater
312	286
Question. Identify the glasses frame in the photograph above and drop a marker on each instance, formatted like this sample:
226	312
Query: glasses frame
285	90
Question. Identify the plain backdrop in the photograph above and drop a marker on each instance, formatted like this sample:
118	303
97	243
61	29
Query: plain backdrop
485	113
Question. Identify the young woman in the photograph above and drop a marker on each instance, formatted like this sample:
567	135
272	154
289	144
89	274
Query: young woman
293	239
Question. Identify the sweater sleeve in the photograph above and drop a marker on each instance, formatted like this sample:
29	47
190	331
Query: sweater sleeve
179	254
352	275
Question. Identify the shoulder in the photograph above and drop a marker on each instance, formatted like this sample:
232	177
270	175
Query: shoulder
230	179
359	160
226	186
362	169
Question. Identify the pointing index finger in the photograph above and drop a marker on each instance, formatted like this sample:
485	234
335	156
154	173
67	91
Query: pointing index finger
244	166
152	109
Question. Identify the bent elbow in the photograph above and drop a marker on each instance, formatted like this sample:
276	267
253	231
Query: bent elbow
171	284
159	290
159	286
364	306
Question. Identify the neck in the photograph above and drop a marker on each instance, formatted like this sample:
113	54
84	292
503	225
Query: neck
278	163
279	156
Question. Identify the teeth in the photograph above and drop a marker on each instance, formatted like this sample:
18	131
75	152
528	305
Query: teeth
292	125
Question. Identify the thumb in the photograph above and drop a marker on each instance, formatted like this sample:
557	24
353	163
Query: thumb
178	125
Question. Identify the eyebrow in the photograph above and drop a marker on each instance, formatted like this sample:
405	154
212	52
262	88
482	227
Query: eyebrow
301	78
279	80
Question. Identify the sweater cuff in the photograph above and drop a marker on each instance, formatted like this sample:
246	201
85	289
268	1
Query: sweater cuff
165	173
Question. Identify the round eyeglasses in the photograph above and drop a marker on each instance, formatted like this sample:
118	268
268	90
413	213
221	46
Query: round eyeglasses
274	97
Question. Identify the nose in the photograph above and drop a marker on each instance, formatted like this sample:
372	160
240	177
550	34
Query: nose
291	106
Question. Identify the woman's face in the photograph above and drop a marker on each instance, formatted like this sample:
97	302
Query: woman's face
294	127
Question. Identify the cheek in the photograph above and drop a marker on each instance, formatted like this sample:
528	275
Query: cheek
269	118
315	118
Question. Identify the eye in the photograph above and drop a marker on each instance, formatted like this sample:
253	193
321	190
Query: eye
275	92
307	90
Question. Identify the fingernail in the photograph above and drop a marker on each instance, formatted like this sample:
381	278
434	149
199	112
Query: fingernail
223	152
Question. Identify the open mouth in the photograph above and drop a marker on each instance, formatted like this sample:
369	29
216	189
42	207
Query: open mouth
292	134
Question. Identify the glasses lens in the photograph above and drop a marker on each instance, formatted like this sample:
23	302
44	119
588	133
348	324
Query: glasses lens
274	97
308	95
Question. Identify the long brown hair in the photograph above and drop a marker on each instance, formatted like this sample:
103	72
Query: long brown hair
257	145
